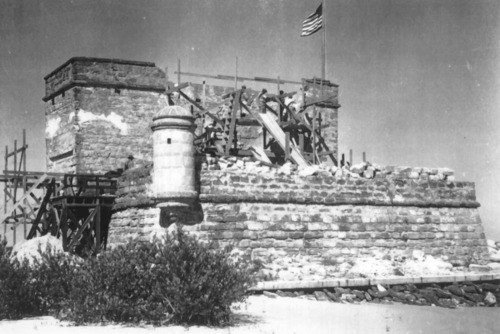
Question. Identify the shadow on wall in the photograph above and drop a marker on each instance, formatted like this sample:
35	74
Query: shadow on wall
191	215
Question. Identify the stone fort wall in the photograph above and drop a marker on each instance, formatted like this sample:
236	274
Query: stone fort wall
328	216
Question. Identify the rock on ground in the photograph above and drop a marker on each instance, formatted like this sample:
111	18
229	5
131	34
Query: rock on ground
30	249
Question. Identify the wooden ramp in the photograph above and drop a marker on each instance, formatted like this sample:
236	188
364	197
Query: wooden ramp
273	127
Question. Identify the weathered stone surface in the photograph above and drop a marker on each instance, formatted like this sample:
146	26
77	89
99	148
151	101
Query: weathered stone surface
490	299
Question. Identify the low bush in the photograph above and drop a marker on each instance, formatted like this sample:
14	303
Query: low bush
175	279
29	289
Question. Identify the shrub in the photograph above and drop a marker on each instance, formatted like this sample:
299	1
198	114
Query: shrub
32	289
175	279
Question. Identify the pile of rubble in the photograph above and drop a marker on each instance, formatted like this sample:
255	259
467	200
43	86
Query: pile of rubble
494	250
32	250
276	267
450	296
365	170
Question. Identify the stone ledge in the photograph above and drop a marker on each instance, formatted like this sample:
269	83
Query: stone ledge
351	282
271	199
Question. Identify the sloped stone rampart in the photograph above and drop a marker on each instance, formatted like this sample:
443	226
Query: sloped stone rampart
324	217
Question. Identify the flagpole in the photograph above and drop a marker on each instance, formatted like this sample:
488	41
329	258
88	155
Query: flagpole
323	63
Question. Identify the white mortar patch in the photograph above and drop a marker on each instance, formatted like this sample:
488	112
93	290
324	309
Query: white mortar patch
52	127
113	118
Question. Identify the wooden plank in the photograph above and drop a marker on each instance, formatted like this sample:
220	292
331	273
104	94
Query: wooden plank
41	210
271	80
79	233
8	194
198	75
231	78
314	134
203	110
5	187
282	96
287	146
19	150
178	71
236	106
259	154
326	153
33	174
15	168
321	100
270	124
64	227
233	93
98	227
16	205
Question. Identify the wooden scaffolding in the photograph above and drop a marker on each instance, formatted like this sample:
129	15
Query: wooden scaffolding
297	132
75	208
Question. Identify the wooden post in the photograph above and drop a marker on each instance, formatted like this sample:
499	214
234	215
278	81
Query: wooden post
15	172
301	143
350	157
364	157
5	191
98	226
236	75
24	150
23	157
314	135
280	114
64	225
232	126
178	71
264	138
287	146
204	95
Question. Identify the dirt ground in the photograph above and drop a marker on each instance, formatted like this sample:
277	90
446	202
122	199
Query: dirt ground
261	314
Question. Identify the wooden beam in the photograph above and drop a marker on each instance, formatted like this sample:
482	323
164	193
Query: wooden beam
236	107
176	89
319	101
79	233
225	96
98	227
41	210
326	153
229	77
19	150
232	78
63	226
203	110
178	71
287	146
16	205
282	96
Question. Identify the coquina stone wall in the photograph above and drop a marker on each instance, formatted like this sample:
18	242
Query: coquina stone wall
98	112
329	215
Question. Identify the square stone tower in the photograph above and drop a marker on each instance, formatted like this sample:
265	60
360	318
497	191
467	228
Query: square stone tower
98	112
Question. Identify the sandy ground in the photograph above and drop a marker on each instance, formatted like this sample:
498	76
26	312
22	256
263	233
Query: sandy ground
292	315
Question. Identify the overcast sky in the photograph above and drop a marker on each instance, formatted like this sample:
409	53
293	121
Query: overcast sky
419	79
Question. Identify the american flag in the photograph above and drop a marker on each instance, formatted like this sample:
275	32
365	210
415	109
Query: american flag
313	23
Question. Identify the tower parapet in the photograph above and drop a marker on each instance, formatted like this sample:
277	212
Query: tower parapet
98	112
